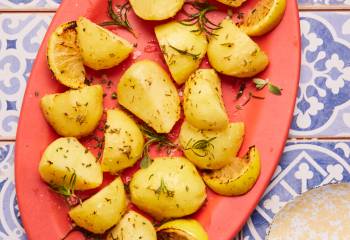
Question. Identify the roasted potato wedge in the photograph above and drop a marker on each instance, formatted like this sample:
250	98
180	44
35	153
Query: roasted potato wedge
156	9
233	53
123	142
103	210
100	48
75	113
67	163
146	90
211	149
183	49
169	188
236	178
203	104
133	226
64	58
232	3
182	229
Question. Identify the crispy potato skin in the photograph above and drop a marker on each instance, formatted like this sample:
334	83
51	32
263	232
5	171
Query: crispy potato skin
103	210
173	38
133	226
123	142
74	113
99	47
170	187
146	90
221	150
233	53
156	9
236	178
65	157
203	104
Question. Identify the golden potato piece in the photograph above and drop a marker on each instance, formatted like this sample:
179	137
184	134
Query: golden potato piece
66	160
100	48
236	178
103	210
169	188
233	53
211	149
133	226
63	56
123	142
146	90
75	113
183	49
156	9
203	104
182	229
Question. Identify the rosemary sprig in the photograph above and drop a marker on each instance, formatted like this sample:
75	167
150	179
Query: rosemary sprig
201	147
153	138
68	191
199	18
119	17
185	52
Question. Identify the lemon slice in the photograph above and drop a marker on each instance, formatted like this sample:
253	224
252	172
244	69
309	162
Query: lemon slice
236	178
184	229
64	57
265	16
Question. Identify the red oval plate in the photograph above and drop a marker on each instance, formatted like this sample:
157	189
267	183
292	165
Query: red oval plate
44	214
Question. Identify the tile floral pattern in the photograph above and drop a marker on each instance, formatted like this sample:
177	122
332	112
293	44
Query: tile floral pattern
10	222
323	103
20	38
29	4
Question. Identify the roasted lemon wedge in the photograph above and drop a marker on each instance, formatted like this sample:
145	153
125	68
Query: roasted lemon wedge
264	17
236	178
182	229
64	57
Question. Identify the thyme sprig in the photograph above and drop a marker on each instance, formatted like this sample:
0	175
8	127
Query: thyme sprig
152	137
185	52
200	18
262	83
201	148
119	17
163	189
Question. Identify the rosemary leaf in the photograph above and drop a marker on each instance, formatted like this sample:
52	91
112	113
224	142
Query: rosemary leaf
260	83
201	148
185	52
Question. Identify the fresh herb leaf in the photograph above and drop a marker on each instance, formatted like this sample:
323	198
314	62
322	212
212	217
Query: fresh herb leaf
68	190
152	137
199	18
275	89
163	189
260	83
119	17
201	147
185	52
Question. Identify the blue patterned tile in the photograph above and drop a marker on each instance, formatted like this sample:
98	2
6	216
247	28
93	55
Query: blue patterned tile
327	2
29	4
10	222
304	165
323	103
20	38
